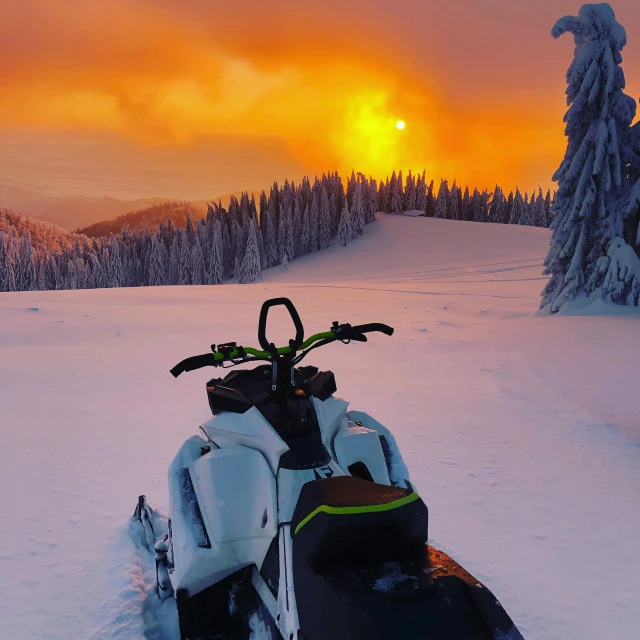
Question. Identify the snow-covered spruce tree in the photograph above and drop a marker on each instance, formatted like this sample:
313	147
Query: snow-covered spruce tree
357	211
116	270
198	269
442	201
517	209
421	193
396	197
345	230
496	208
479	206
324	222
157	263
184	259
455	201
270	234
539	216
410	193
250	270
593	178
314	218
216	258
371	199
285	233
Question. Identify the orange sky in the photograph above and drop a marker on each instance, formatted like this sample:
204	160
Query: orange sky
194	98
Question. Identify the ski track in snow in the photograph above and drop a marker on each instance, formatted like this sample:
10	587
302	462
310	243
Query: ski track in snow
520	431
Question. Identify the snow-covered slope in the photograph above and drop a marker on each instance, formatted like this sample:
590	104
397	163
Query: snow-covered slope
520	430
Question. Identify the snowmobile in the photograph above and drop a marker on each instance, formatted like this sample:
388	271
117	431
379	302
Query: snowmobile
290	512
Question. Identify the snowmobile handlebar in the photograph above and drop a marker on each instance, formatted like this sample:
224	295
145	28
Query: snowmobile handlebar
230	352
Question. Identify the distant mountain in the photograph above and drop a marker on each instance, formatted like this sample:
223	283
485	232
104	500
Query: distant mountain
148	218
76	211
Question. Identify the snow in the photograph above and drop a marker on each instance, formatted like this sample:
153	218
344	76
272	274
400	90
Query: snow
520	430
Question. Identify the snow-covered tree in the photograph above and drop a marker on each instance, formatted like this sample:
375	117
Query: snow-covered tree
345	230
314	218
305	232
173	276
324	223
357	211
116	271
410	193
455	200
371	200
593	178
250	270
442	201
198	268
396	197
517	208
216	258
285	234
496	208
184	258
157	263
421	193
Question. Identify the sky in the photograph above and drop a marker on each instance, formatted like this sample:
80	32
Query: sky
196	98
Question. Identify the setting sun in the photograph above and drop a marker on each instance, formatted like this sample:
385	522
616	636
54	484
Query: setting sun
400	124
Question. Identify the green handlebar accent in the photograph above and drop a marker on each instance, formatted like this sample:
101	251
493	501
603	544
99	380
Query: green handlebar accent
373	508
326	335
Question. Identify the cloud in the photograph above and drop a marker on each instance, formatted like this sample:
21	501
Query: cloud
327	78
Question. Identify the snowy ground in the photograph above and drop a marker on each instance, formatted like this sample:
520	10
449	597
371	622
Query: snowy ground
522	432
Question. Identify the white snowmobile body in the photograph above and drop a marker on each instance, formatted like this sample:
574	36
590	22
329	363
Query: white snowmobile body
243	498
292	509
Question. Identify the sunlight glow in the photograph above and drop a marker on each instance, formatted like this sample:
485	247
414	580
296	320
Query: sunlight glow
400	124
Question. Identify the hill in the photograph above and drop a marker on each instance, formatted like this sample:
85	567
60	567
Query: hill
43	234
145	219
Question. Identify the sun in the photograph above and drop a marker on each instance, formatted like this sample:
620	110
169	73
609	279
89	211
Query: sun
400	125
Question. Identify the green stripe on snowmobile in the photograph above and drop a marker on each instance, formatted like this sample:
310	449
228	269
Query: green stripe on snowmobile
281	351
372	508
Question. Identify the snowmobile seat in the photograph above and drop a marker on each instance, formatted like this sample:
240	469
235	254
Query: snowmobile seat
343	519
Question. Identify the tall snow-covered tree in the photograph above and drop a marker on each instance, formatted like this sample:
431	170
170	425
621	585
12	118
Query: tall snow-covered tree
116	271
345	230
396	204
173	276
357	211
517	209
216	258
442	201
455	200
184	259
285	234
410	193
593	178
496	208
250	270
198	267
314	218
324	224
157	263
430	209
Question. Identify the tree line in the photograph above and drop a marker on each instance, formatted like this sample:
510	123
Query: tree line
239	242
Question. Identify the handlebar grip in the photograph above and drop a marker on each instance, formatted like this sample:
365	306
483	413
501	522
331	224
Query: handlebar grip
373	326
195	362
262	322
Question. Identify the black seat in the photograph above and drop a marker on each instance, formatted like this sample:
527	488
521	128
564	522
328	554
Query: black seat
343	519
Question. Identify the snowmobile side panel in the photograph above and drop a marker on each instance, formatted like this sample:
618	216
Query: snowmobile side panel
354	444
331	415
249	429
397	469
235	488
233	498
